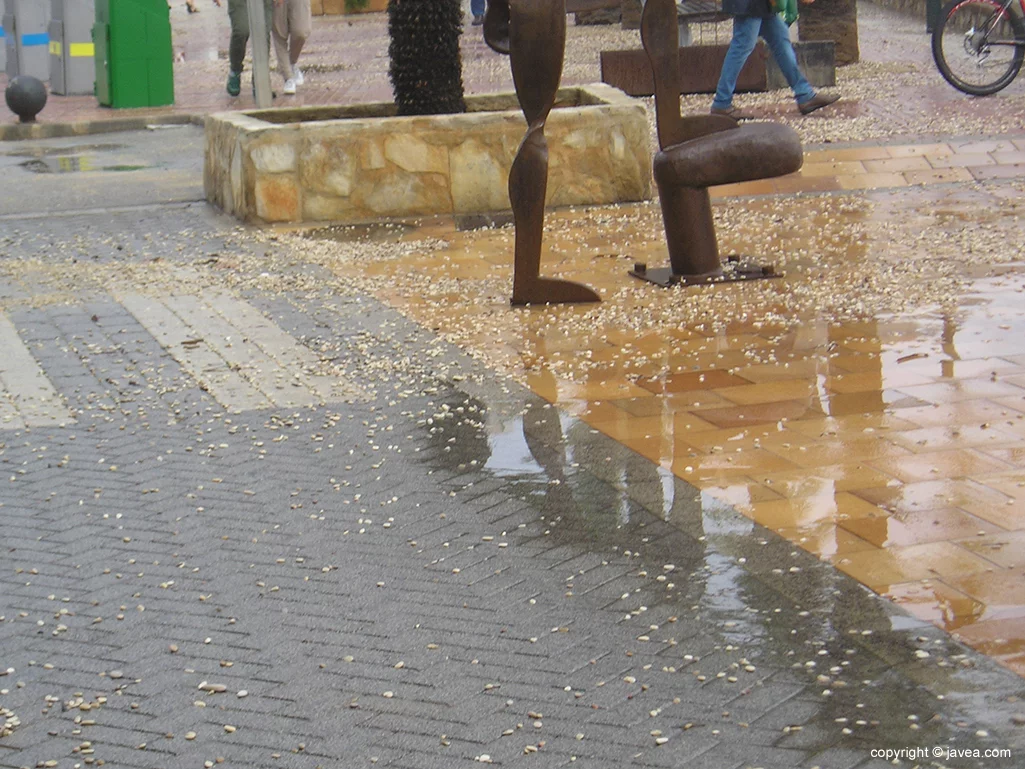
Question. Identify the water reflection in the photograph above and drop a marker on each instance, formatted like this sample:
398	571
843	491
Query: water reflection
890	358
73	164
716	595
36	151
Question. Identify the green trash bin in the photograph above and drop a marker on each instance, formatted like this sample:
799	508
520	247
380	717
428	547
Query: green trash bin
134	66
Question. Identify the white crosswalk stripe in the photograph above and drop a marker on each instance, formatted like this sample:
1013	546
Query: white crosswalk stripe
243	359
27	397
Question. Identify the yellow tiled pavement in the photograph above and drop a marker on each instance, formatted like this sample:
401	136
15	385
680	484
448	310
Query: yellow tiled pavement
874	167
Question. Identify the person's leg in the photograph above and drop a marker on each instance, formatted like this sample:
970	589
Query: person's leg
268	15
279	30
777	37
477	8
300	24
238	14
745	37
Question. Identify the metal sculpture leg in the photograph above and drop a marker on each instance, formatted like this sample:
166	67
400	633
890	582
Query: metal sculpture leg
533	32
698	152
693	251
690	231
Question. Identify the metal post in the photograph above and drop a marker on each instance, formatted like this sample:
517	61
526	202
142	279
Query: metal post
3	39
261	53
932	14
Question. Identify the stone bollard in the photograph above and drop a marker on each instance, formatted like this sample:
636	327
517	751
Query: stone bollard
26	97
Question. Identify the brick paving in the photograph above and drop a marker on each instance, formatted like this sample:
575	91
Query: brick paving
440	569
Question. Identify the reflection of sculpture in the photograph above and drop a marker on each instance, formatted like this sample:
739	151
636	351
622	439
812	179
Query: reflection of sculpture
698	152
533	33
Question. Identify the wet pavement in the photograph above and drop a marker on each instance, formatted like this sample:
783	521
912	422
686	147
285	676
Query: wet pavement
256	515
867	407
159	165
322	498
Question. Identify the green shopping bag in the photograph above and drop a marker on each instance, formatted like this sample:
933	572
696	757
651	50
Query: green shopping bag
786	9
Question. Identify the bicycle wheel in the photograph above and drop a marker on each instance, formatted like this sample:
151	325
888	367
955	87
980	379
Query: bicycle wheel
978	45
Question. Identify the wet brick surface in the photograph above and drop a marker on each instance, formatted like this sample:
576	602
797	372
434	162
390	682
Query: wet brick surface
442	572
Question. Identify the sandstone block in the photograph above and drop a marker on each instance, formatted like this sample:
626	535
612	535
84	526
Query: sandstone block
413	154
325	208
328	166
274	157
372	156
406	194
277	198
479	181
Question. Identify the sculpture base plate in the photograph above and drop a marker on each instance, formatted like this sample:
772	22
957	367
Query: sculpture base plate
734	270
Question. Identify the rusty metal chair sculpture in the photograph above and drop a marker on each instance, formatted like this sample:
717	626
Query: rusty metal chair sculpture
533	34
698	152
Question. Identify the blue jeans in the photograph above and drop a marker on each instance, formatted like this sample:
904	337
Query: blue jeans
746	30
477	7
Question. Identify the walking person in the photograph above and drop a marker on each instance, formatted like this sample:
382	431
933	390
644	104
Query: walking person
292	24
238	14
477	8
753	19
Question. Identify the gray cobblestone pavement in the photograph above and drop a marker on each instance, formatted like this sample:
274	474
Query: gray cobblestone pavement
435	570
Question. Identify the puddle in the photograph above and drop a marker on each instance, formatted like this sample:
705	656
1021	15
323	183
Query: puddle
356	233
78	149
64	160
67	165
494	220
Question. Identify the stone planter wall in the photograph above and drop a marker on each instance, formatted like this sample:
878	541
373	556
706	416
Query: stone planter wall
361	163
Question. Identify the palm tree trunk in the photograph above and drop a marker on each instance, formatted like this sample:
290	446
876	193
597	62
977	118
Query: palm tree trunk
426	68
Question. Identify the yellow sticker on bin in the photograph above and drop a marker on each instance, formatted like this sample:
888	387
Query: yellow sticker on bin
82	49
55	48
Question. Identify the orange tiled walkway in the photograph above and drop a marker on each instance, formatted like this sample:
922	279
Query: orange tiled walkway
878	166
911	478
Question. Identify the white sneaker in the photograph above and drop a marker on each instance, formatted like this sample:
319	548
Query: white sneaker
297	75
289	89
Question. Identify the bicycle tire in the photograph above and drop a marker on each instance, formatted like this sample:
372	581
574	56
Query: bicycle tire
957	13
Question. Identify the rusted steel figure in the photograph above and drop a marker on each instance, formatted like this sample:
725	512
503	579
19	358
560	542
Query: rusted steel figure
533	34
698	152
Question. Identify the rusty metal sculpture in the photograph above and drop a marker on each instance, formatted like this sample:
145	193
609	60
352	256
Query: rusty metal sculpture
698	152
533	34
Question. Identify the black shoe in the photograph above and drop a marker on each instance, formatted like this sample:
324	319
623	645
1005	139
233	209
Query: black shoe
818	101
